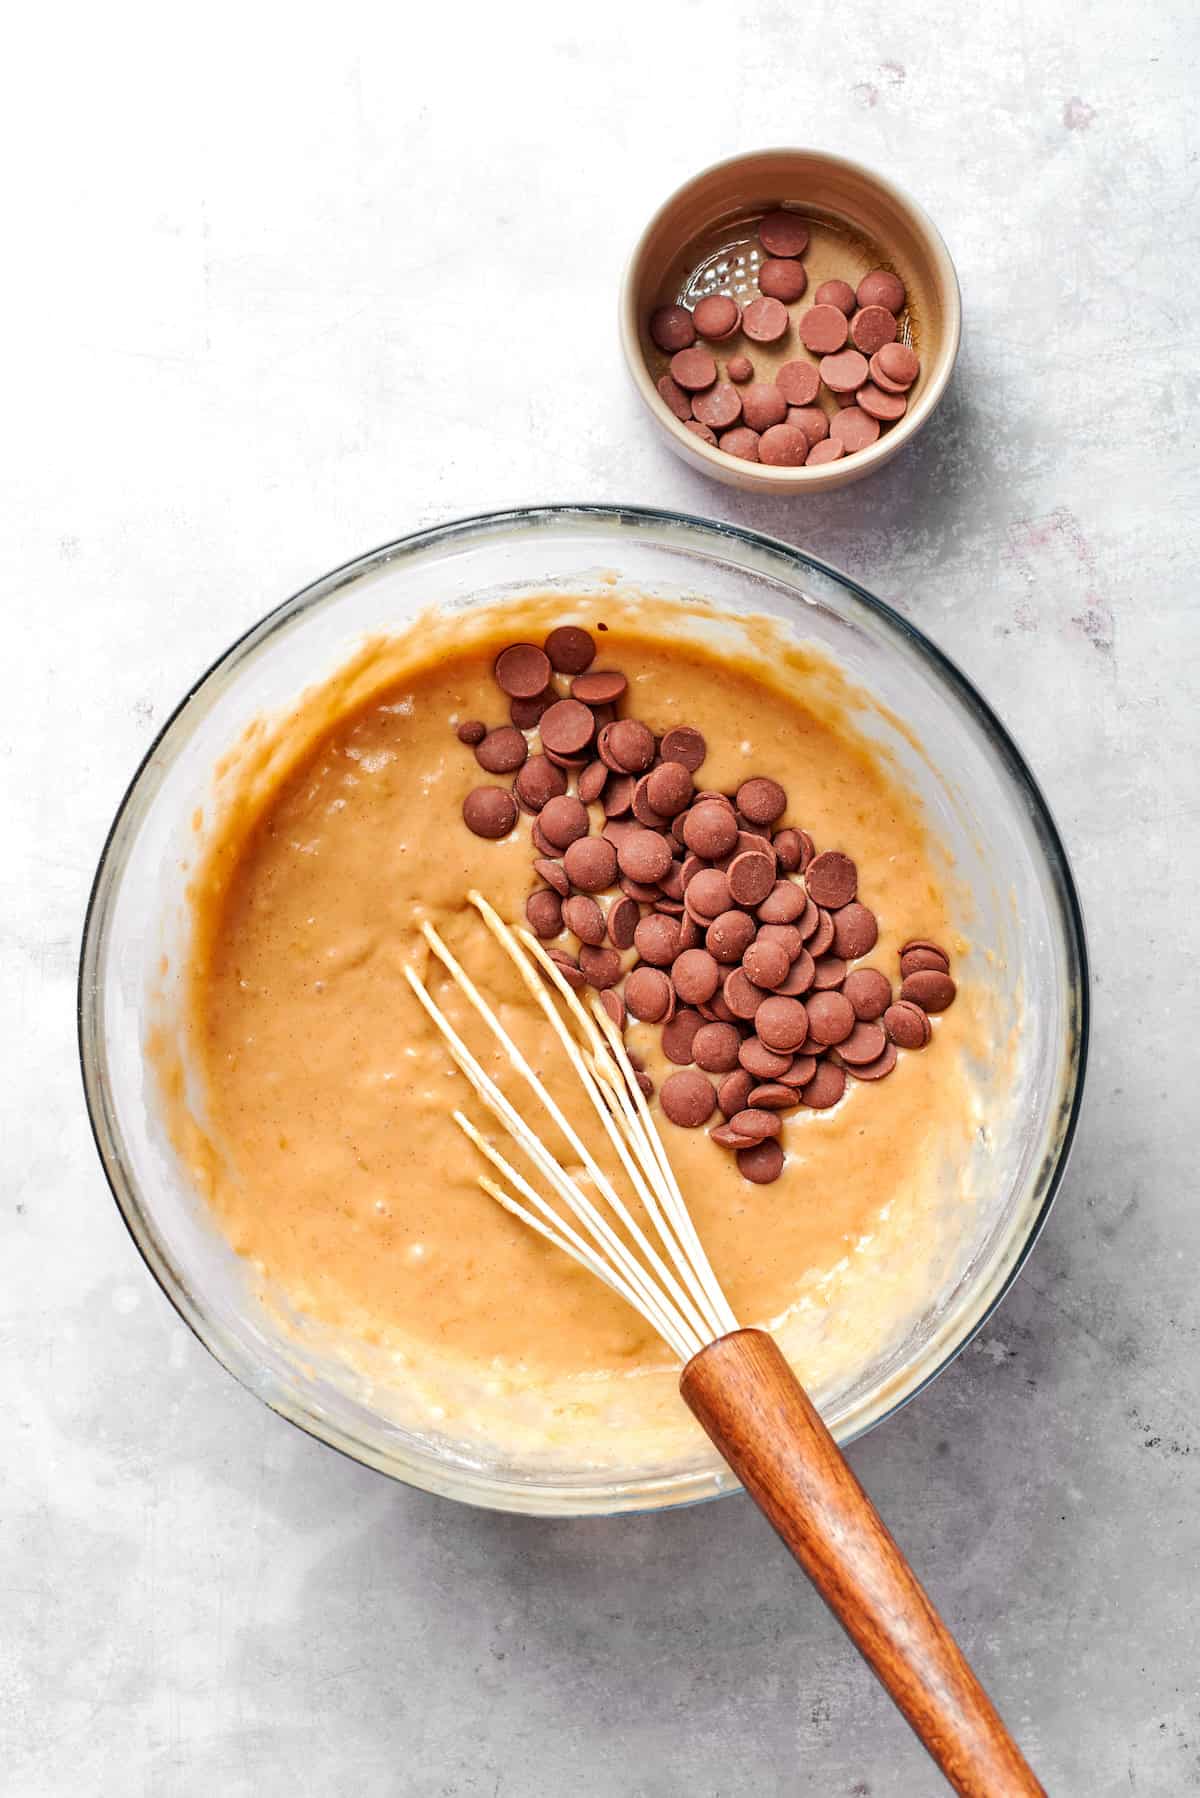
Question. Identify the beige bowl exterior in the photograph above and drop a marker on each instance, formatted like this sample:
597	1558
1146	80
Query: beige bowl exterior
876	214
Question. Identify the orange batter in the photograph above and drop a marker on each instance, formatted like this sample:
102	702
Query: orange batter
327	1148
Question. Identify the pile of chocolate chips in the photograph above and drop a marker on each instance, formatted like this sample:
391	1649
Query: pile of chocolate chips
743	933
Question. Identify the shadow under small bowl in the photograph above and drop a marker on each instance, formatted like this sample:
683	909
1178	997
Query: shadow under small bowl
1025	926
859	221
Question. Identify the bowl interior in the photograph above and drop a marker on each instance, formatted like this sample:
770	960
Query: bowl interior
858	221
1024	924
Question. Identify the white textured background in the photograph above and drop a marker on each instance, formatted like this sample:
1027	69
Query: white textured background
281	283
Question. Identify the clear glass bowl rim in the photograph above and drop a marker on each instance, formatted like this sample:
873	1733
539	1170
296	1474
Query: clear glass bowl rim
424	1469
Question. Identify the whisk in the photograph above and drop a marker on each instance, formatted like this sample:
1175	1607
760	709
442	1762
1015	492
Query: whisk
736	1381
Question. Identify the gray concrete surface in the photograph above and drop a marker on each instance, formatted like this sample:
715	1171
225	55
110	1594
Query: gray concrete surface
250	252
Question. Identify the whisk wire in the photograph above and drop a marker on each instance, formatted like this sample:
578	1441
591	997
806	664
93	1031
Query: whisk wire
686	1319
652	1301
556	1230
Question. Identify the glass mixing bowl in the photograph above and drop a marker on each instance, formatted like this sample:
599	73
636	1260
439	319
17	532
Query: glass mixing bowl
978	793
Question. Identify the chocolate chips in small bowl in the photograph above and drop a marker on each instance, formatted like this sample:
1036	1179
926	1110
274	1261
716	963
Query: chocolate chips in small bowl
743	931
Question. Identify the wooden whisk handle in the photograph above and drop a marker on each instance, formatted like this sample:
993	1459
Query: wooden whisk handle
757	1413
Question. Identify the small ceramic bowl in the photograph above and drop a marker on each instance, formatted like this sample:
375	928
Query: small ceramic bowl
704	240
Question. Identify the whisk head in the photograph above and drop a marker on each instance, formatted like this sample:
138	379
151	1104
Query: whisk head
661	1270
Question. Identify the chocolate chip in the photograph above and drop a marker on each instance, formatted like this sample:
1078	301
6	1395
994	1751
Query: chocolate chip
688	1099
766	963
751	877
571	762
639	890
794	849
878	1069
622	922
771	1096
832	879
759	1126
825	1088
502	751
471	731
717	1012
930	989
734	1091
567	727
799	977
715	1048
522	671
783	904
763	1063
644	857
801	1071
707	894
809	919
656	940
591	864
604	749
554	874
866	1042
761	800
907	1025
855	930
923	960
786	935
618	795
830	1018
630	745
602	686
710	830
538	782
828	972
648	994
679	1036
729	1138
822	937
739	992
672	329
570	649
683	744
614	1005
689	935
602	966
541	842
869	992
761	1164
592	782
489	812
782	1024
569	968
584	917
696	976
729	935
526	713
563	820
669	788
644	812
673	396
671	884
544	912
923	942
